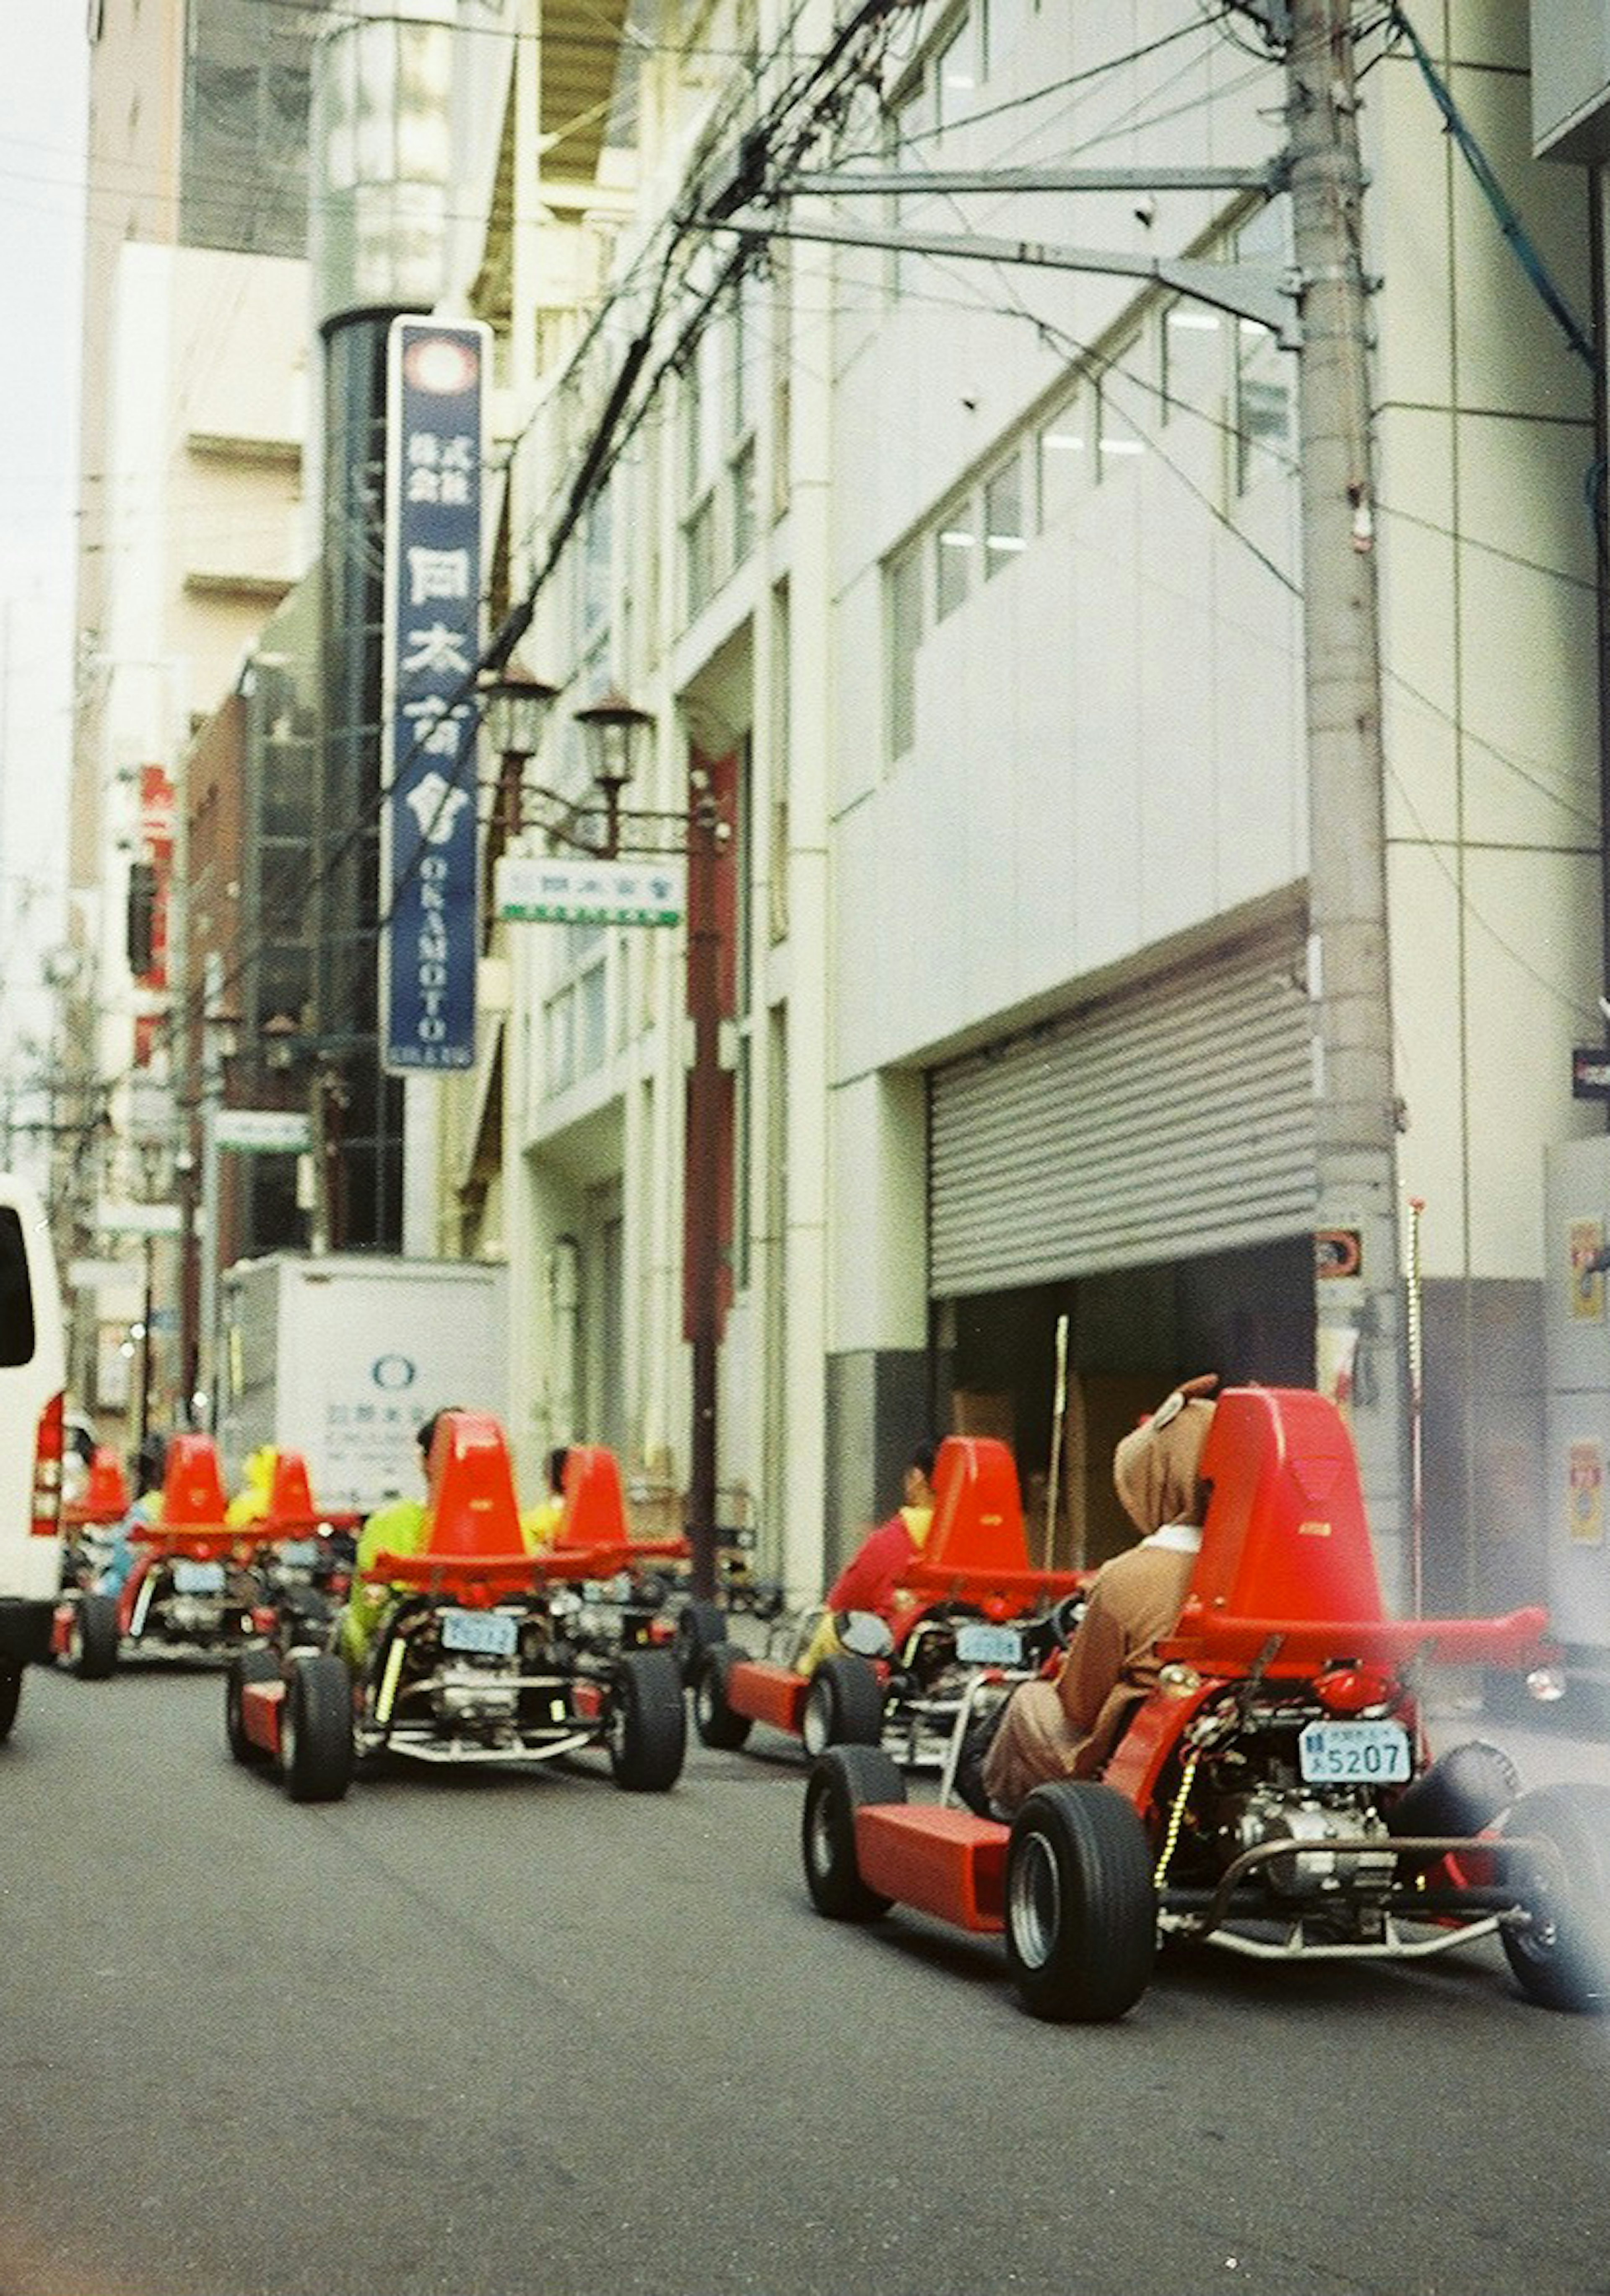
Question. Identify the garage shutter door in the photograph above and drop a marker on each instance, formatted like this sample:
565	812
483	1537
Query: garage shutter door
1171	1120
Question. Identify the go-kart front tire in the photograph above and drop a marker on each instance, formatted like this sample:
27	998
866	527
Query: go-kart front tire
1081	1906
316	1730
1562	1958
647	1734
841	1781
93	1637
246	1666
843	1707
718	1724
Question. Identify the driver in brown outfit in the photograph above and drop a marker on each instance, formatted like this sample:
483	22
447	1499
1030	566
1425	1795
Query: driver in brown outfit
1067	1727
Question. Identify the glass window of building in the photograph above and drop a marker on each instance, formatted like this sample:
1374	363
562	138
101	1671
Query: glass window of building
903	624
1119	443
1193	359
1062	460
956	70
1005	534
1265	376
699	548
743	509
955	555
243	162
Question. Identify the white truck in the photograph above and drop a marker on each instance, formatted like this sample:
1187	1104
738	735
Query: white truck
343	1355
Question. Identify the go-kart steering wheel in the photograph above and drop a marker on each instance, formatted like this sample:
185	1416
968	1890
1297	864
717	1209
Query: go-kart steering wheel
1066	1614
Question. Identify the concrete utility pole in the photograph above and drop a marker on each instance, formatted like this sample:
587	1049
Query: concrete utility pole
1358	1303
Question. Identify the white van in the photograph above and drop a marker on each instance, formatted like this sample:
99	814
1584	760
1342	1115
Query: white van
32	1375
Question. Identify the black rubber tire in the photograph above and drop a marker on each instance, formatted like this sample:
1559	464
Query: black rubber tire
1564	1963
1081	1907
93	1637
1464	1790
246	1666
647	1729
700	1626
843	1707
713	1719
841	1781
316	1730
11	1696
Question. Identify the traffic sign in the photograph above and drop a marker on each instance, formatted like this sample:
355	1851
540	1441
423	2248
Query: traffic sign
1590	1073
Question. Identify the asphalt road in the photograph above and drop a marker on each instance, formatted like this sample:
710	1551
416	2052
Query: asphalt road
489	2034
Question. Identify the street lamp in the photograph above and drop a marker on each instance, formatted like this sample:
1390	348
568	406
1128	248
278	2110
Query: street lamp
617	734
515	709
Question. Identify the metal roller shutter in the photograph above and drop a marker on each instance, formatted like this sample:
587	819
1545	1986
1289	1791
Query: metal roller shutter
1172	1119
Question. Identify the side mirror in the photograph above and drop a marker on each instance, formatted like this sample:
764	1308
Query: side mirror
865	1634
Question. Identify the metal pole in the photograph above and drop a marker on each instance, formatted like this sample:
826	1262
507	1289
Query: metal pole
1358	1296
703	1182
1417	1406
212	1095
1059	1412
147	1310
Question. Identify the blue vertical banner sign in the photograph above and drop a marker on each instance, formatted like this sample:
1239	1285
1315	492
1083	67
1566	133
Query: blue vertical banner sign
430	935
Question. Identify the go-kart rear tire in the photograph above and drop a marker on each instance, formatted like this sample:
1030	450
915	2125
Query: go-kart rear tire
700	1626
11	1698
717	1722
841	1781
647	1730
246	1666
316	1730
1081	1906
93	1635
1562	1960
843	1707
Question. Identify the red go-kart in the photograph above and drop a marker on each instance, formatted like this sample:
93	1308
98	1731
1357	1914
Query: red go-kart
488	1653
198	1585
1272	1795
971	1601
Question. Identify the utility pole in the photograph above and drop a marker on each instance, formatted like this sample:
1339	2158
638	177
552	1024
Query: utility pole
1358	1304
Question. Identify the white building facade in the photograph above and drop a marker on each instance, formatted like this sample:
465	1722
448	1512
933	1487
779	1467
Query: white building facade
972	591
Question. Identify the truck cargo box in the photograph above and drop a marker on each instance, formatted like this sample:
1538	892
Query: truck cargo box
342	1357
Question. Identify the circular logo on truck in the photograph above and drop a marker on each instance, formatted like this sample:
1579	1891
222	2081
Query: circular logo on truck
392	1373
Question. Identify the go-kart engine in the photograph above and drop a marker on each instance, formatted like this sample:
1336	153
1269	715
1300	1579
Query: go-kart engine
462	1695
1311	1822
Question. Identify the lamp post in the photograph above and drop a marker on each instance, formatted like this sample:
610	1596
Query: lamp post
617	732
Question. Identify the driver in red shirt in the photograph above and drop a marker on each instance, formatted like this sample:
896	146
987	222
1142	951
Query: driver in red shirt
870	1578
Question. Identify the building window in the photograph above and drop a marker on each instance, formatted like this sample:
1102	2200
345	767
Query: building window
955	552
956	70
1062	460
1193	359
1263	371
1004	533
699	541
1262	406
903	619
744	518
1119	445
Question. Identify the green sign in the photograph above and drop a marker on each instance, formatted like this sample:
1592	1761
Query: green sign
536	889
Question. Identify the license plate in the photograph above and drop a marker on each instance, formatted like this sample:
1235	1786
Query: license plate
490	1632
198	1578
987	1645
1353	1753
